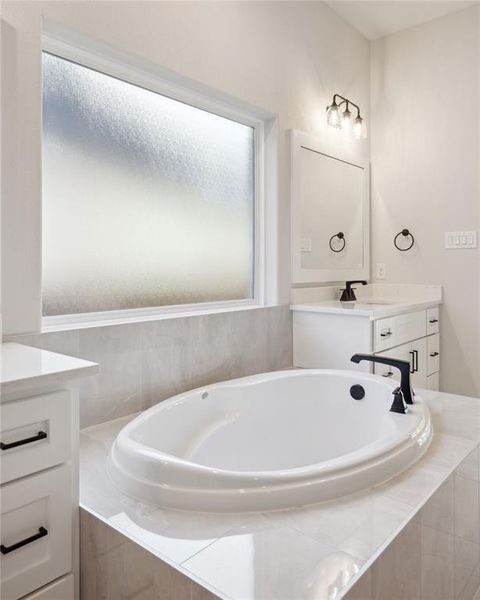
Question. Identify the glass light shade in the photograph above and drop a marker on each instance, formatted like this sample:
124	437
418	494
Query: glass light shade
359	129
346	121
333	115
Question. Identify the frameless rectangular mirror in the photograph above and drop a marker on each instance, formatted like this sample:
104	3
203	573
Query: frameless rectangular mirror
330	213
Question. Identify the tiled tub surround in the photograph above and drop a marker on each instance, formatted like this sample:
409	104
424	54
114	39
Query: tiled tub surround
417	537
142	363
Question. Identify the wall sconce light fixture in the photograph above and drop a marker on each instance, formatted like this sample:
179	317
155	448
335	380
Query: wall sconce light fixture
342	118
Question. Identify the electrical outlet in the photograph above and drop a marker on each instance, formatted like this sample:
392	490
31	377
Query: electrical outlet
381	270
457	240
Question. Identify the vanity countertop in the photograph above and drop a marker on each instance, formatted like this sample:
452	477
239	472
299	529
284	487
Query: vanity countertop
375	301
317	551
24	367
375	308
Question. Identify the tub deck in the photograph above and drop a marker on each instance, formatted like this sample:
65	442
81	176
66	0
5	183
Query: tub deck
319	552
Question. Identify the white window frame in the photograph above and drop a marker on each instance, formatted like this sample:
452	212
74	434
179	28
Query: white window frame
159	80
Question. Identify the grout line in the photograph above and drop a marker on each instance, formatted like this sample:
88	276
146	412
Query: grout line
248	517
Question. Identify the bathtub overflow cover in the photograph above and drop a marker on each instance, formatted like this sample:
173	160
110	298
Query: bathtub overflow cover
357	392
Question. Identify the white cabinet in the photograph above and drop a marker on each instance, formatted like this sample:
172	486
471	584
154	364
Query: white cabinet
433	320
433	354
328	340
34	434
36	531
39	473
433	382
399	329
413	352
60	589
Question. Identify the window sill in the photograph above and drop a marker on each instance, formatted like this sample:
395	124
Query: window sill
69	323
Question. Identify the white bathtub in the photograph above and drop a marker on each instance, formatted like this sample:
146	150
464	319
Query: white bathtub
270	441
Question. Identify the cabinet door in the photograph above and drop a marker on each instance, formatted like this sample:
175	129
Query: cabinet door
433	354
414	353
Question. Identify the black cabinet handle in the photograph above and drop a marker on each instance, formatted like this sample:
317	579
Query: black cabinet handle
433	321
41	435
415	361
42	532
433	354
386	334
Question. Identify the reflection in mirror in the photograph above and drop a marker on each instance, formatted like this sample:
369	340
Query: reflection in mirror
330	212
331	192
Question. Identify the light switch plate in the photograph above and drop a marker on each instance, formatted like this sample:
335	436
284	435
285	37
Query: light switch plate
305	245
459	240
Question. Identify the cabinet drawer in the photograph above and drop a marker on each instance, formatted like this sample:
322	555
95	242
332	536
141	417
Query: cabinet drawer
394	331
61	589
36	531
35	434
433	382
433	353
433	320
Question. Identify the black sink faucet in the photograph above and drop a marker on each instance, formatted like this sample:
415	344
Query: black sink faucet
348	294
403	365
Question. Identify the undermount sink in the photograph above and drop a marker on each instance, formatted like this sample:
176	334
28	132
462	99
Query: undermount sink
376	301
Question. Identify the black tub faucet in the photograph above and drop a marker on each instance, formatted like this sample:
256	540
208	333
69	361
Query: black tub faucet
402	365
348	294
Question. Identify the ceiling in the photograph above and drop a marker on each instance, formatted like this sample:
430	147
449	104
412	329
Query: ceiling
378	18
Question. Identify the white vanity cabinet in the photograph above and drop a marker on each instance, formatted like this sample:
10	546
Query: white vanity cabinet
327	333
39	473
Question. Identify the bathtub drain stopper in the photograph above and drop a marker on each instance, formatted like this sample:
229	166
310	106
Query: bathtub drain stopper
357	392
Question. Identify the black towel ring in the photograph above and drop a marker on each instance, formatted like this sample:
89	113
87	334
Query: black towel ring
341	236
404	233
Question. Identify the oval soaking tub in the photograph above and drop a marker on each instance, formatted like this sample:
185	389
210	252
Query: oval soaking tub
269	441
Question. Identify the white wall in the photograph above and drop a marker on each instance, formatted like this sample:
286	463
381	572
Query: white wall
286	57
425	173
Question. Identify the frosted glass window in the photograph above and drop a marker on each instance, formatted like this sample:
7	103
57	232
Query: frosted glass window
147	201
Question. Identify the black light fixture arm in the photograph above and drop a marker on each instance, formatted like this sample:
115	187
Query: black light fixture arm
347	101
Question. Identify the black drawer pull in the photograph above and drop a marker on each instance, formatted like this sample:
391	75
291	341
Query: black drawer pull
41	435
42	532
433	321
433	354
386	334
